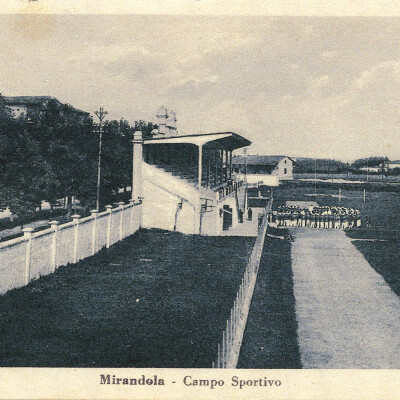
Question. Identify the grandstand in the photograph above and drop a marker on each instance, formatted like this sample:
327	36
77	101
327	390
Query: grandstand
188	182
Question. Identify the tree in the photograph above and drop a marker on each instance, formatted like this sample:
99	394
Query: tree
369	161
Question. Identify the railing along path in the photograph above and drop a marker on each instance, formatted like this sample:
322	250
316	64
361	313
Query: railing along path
232	336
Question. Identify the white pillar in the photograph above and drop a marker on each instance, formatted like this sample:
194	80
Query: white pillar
76	218
137	165
54	226
108	240
121	219
132	203
198	215
94	231
28	255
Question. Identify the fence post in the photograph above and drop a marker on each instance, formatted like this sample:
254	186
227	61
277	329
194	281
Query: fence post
54	226
76	218
94	213
132	203
231	326
137	154
109	209
28	255
223	349
121	219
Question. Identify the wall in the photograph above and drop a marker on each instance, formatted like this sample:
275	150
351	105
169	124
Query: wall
40	253
162	194
280	171
269	180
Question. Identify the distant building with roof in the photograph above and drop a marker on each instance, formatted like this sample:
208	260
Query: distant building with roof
25	105
268	170
388	165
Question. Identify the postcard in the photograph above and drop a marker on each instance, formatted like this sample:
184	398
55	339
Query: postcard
199	199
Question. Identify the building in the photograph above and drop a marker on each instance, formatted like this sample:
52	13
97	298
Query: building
371	169
188	182
267	170
390	165
31	105
166	121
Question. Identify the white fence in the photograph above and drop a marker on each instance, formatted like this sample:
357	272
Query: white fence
229	349
40	253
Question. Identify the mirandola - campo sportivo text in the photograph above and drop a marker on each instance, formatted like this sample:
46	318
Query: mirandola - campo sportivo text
189	380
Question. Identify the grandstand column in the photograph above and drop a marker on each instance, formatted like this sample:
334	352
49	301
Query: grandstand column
230	164
208	169
226	165
200	166
198	216
137	165
221	164
216	168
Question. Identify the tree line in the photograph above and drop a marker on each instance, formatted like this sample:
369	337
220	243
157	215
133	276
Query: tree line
52	154
329	166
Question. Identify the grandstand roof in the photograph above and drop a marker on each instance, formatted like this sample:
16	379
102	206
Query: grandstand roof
225	140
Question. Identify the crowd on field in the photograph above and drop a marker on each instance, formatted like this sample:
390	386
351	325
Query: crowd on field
328	217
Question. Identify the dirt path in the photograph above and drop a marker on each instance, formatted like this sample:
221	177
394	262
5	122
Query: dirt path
347	315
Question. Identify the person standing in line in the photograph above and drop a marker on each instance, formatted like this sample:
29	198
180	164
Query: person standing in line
308	219
298	217
330	220
337	221
313	220
249	214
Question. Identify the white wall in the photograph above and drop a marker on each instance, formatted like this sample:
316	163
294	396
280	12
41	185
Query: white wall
269	180
162	192
285	163
40	253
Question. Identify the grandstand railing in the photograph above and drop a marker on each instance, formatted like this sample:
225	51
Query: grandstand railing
229	348
40	253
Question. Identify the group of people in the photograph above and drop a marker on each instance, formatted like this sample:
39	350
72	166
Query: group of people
328	217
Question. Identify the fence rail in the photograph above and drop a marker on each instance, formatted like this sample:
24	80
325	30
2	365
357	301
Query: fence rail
41	253
229	348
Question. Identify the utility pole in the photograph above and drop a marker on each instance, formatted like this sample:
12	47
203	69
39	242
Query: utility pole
100	114
315	177
245	164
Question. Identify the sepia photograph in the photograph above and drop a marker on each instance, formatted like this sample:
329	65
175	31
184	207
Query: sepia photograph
203	192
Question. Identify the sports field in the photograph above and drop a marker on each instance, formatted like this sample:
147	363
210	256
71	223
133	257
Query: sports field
156	299
380	243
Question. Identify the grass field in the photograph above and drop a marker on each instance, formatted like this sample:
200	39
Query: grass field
156	299
270	339
351	177
383	209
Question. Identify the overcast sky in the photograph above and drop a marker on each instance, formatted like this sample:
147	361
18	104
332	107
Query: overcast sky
326	87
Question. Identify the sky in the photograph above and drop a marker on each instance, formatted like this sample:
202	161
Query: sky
300	86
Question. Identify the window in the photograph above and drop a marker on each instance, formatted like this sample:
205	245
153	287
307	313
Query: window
285	171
